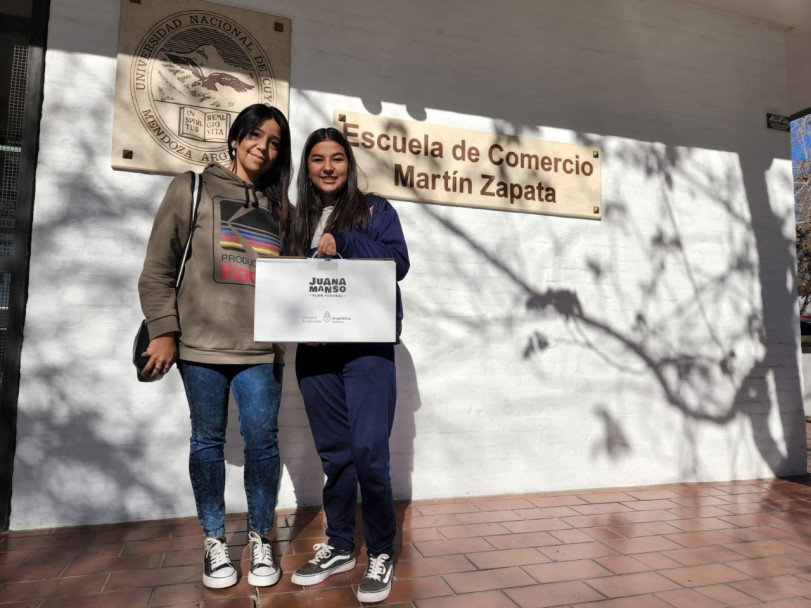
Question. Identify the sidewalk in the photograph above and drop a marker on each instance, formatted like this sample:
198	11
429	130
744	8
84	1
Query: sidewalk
685	545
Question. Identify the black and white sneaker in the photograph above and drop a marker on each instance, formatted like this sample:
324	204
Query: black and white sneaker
218	571
327	561
264	571
376	583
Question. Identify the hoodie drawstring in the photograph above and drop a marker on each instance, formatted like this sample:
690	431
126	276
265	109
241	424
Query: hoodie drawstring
250	188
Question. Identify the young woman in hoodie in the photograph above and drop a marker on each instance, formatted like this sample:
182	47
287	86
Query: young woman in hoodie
206	326
349	390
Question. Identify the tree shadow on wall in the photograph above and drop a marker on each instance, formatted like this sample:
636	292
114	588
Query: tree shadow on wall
69	460
86	447
715	332
735	357
717	338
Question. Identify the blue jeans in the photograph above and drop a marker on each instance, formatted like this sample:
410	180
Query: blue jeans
257	391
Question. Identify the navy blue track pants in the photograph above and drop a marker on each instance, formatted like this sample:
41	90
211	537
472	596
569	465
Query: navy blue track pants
349	393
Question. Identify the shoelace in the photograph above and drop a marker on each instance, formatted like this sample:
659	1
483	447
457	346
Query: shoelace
217	553
261	551
322	551
377	566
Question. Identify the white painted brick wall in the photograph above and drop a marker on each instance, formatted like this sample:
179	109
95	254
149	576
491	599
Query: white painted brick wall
539	353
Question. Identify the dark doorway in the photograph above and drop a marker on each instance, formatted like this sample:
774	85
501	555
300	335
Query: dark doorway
23	28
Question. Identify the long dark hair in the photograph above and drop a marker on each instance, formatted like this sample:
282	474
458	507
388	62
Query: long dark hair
351	210
275	182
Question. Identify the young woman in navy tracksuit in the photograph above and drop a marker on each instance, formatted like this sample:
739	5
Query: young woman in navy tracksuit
349	389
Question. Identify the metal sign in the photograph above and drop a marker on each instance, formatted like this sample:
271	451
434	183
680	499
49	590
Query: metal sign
416	161
185	69
778	122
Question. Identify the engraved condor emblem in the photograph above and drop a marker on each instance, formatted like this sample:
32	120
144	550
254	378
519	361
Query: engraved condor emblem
211	81
184	71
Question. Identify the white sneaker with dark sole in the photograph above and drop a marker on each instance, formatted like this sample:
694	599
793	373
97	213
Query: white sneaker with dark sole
327	561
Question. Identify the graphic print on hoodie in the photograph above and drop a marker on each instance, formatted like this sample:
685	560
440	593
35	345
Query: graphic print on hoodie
246	233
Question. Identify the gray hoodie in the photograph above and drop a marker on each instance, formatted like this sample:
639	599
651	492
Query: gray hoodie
214	307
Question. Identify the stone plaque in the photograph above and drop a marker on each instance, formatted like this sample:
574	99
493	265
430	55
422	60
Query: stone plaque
185	70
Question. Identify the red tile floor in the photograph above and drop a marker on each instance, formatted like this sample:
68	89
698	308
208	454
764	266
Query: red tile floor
696	545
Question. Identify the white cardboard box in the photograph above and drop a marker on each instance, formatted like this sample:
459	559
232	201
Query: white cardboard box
317	300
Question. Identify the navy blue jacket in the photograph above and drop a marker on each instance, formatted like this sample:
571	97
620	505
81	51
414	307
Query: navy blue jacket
384	239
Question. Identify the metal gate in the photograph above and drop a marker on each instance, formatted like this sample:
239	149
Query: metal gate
23	25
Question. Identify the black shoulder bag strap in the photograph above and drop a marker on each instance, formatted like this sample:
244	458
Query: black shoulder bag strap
196	195
141	342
